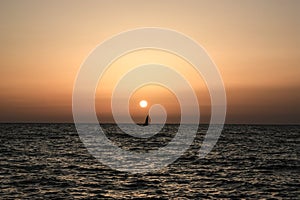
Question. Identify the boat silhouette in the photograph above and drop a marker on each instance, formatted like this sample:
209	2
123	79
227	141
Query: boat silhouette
146	123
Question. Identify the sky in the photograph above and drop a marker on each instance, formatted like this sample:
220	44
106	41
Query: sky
254	43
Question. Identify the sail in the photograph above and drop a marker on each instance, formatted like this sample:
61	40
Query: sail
146	123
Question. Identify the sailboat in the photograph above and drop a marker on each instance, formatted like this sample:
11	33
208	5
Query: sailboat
146	123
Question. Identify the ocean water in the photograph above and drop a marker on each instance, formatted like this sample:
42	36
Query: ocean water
49	161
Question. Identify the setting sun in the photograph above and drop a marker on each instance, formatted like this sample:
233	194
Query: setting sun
143	103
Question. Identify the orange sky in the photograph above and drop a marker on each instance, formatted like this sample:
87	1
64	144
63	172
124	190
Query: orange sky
255	45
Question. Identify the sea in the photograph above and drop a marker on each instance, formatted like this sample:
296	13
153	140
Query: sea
49	161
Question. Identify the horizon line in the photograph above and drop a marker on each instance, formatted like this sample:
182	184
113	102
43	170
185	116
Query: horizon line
112	123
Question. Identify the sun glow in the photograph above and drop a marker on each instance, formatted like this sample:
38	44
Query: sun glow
143	103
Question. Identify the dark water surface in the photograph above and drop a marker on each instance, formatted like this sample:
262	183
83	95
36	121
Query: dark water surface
43	161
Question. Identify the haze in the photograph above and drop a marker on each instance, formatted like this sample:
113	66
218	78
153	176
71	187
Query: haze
254	43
